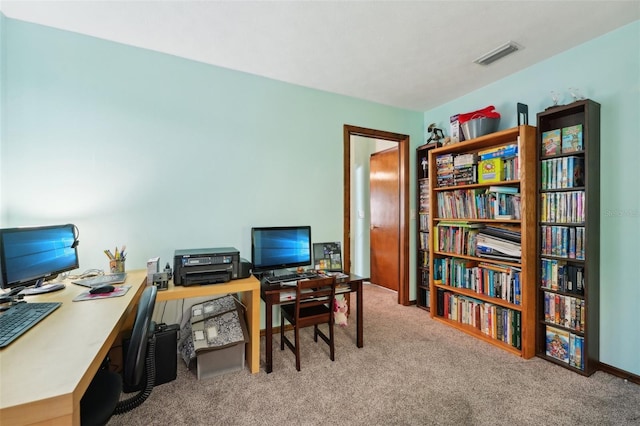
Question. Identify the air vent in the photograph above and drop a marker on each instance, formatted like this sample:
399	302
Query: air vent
497	53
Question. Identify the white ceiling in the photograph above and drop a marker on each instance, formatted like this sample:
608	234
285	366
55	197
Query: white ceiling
414	55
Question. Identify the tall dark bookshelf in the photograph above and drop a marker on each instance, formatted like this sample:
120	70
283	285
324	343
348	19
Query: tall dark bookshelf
568	293
422	225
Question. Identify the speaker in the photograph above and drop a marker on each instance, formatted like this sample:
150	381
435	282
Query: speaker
245	268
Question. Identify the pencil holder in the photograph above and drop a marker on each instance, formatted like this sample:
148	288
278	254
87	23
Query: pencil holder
116	266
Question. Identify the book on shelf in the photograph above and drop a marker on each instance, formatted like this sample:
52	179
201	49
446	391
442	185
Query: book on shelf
505	151
465	175
572	138
467	159
551	142
503	233
557	343
576	348
456	237
558	275
504	189
497	322
564	310
491	170
495	245
575	171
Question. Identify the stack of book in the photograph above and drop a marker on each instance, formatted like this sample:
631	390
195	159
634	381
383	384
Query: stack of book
558	275
498	243
562	172
504	202
444	166
565	346
465	169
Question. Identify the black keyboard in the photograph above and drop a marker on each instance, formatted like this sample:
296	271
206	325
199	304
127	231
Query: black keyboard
21	317
290	277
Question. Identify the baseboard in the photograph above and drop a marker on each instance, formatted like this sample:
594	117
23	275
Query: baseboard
619	373
276	330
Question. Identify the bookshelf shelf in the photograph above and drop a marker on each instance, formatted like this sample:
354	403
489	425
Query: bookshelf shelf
478	335
486	292
475	295
568	222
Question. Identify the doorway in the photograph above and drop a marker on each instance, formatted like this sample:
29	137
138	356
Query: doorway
349	134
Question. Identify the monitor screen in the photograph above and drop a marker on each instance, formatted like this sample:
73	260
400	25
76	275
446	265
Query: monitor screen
280	247
32	253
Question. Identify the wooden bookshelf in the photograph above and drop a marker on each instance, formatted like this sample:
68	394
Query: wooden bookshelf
491	299
423	298
568	232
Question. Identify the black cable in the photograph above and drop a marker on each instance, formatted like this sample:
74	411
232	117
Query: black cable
136	400
164	308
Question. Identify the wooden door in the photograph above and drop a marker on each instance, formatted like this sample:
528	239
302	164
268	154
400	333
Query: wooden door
384	232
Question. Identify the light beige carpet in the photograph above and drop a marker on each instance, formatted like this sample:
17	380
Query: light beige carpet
411	371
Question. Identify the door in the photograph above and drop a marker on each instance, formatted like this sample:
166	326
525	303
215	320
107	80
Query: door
384	232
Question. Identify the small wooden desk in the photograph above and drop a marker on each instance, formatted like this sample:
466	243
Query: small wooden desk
249	289
45	372
271	296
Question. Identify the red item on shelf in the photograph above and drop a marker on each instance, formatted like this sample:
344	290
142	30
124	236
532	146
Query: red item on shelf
487	112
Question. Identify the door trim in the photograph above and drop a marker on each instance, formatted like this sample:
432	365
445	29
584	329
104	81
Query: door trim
403	153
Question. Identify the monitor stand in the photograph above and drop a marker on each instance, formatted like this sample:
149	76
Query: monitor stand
41	288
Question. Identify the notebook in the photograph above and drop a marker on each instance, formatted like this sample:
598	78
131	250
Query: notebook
102	280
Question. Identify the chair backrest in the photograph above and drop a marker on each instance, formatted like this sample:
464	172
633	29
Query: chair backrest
143	327
313	294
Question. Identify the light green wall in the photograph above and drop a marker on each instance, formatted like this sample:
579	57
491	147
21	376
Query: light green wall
159	153
2	109
607	70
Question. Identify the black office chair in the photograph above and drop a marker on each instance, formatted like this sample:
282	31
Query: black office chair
102	398
313	306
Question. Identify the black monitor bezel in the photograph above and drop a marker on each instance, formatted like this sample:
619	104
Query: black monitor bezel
278	266
31	280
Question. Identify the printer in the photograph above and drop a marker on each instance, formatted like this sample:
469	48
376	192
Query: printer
205	266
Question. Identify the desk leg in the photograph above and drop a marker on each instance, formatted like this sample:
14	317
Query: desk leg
360	316
251	299
268	333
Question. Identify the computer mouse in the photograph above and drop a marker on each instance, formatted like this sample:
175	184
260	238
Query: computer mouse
108	288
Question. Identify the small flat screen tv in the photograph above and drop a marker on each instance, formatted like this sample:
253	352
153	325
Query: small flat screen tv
281	247
31	254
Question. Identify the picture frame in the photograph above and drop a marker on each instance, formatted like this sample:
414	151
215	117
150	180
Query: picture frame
327	256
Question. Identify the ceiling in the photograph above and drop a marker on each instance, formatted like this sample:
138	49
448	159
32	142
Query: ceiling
414	55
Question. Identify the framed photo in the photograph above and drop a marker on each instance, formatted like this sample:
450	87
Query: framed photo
327	256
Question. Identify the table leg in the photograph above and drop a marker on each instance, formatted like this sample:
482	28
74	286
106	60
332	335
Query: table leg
359	315
251	299
268	333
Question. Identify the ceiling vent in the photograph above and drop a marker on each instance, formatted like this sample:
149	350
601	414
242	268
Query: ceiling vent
497	53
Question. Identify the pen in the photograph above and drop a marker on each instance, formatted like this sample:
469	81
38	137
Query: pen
109	255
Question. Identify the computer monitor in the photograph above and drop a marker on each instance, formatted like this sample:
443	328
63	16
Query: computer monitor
281	247
30	255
